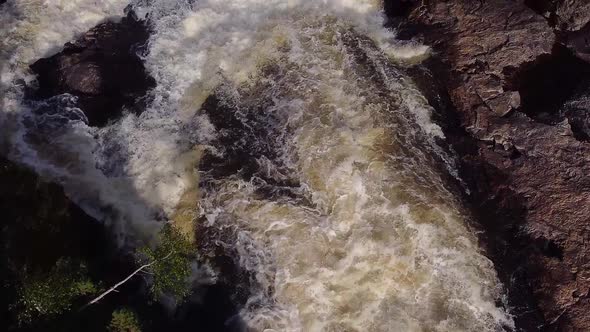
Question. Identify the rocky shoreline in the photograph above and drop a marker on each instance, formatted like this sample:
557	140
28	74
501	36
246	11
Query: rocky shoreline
516	79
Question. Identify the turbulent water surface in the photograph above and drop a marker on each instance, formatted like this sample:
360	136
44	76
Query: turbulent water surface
285	130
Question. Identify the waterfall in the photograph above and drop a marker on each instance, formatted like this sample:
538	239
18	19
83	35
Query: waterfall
286	132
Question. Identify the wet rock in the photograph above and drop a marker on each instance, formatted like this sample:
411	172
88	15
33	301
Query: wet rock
571	19
523	102
102	68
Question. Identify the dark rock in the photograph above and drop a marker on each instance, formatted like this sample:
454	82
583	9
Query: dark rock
577	111
40	226
528	173
38	213
102	69
399	8
571	19
545	8
579	42
572	15
547	83
564	15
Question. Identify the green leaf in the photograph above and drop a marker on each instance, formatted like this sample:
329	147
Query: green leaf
171	266
124	320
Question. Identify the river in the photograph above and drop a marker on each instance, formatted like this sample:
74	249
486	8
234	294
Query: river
289	125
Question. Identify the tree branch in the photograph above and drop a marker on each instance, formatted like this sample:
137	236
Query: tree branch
114	288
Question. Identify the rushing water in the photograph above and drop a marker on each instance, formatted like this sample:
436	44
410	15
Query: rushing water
286	124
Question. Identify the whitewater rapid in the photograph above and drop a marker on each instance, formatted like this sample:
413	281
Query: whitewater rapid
284	130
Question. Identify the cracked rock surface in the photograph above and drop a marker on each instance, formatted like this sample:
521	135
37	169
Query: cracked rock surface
521	93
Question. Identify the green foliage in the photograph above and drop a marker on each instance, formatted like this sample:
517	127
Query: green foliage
124	320
43	295
172	264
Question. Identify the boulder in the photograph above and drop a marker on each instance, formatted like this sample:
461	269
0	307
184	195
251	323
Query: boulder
102	68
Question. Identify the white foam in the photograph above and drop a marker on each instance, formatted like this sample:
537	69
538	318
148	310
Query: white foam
386	247
32	29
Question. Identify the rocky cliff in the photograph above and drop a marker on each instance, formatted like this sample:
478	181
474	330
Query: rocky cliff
516	77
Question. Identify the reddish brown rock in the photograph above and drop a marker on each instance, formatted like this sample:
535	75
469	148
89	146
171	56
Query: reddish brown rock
521	97
571	19
102	69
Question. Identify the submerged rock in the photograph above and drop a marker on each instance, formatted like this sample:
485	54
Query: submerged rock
102	68
523	101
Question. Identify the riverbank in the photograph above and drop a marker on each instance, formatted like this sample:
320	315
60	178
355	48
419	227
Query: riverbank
516	81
